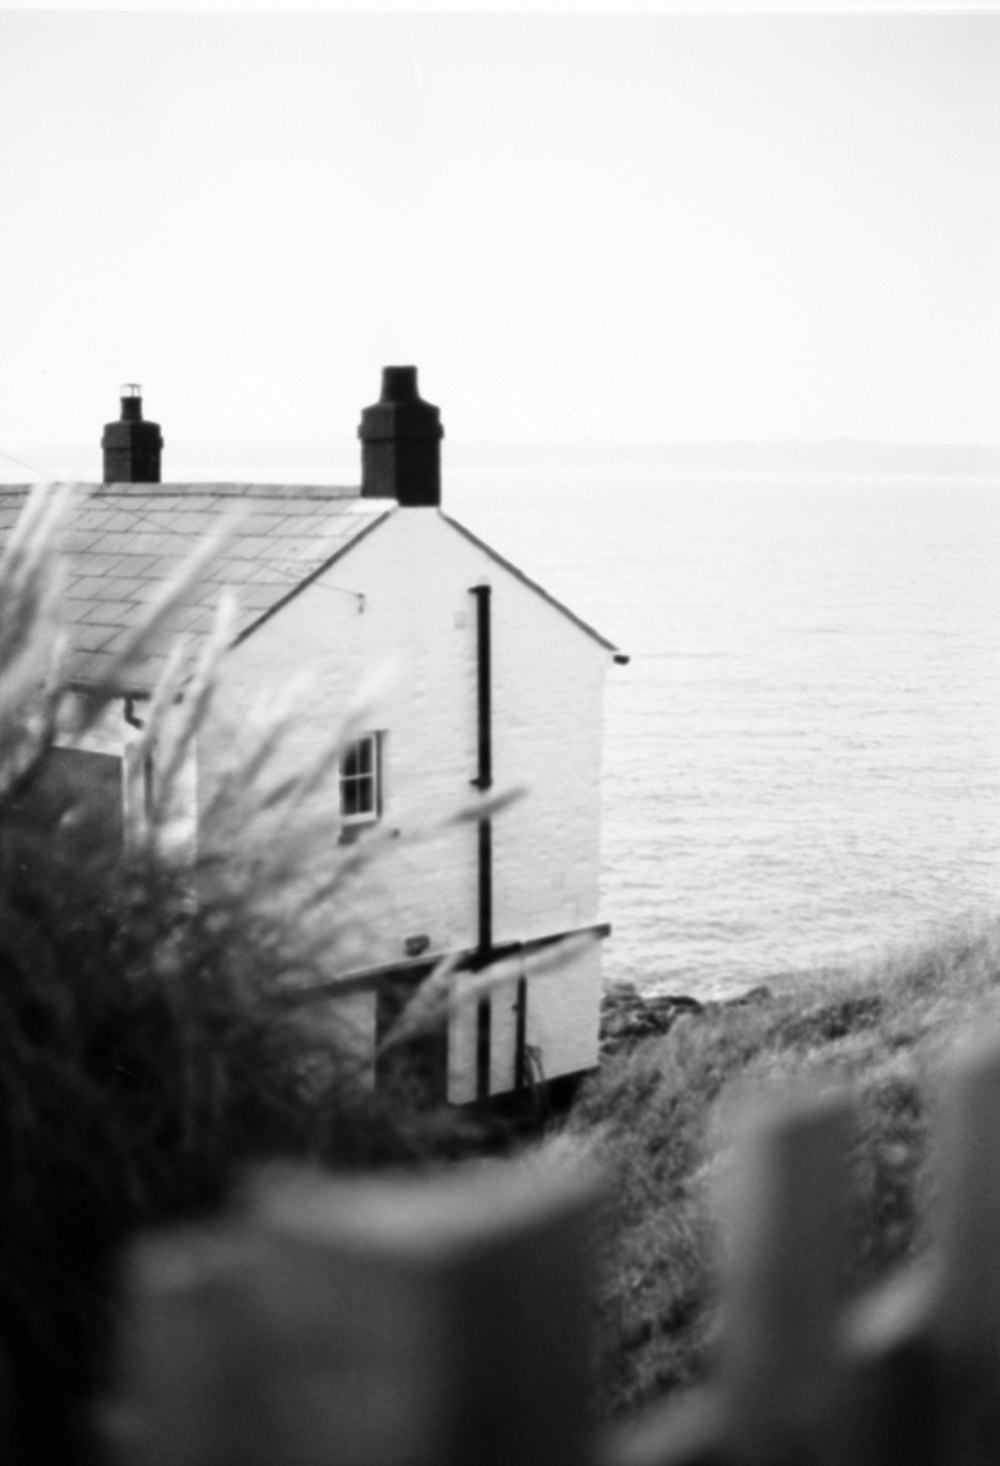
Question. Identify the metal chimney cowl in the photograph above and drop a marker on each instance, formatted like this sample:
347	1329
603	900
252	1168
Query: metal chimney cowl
401	443
131	446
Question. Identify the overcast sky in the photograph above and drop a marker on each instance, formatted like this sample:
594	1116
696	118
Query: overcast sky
623	227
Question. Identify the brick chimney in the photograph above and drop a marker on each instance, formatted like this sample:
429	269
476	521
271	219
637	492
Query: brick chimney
401	443
132	447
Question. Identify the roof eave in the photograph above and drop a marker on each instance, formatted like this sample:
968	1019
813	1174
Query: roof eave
313	576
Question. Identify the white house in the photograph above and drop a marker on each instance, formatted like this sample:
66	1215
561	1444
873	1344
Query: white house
494	684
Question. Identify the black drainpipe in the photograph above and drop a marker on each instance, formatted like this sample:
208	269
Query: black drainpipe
521	1034
484	782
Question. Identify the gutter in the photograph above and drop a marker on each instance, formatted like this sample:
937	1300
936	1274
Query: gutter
466	959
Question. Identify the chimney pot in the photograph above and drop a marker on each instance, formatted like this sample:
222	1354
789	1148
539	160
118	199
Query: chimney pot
131	400
399	384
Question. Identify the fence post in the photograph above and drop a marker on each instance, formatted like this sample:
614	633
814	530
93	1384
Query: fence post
778	1371
185	1351
966	1310
892	1376
375	1323
968	1305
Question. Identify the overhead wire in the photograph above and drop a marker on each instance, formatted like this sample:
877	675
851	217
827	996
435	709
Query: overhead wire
45	477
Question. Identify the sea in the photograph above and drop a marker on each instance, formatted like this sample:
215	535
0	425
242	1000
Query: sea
802	756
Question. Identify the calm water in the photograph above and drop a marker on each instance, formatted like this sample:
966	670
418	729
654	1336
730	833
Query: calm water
802	762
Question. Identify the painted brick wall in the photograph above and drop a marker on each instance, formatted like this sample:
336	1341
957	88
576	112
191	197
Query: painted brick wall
416	627
562	1009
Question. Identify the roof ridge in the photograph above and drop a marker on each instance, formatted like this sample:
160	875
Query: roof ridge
225	489
325	492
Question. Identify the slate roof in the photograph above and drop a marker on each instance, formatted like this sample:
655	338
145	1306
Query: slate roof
122	542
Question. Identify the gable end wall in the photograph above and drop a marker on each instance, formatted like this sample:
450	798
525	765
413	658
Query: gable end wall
415	631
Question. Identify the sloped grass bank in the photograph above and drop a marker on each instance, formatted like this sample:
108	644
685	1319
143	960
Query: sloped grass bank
660	1120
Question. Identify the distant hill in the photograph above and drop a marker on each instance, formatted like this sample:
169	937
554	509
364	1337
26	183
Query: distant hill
841	455
337	461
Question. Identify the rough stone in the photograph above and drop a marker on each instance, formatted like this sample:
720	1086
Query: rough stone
628	1016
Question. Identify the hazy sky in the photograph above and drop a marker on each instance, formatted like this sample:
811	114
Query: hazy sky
605	226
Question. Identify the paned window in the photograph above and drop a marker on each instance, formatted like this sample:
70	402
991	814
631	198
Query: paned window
361	780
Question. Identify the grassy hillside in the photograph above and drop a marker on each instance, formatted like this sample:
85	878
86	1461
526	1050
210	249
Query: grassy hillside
660	1121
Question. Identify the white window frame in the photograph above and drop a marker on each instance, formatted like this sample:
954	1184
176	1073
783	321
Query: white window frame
372	813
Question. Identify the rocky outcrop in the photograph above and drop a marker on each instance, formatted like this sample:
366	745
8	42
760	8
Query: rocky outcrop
628	1015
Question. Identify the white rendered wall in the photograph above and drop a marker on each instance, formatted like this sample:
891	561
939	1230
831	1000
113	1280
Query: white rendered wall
417	622
114	735
563	1006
